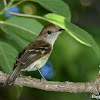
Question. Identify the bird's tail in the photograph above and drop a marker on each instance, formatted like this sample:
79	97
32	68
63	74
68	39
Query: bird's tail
11	79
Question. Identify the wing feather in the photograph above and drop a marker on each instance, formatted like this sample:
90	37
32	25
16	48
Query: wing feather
32	52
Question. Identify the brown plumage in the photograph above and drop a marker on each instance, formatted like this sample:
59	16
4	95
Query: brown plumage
34	48
36	54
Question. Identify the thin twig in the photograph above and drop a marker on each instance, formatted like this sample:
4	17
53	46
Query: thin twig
33	16
18	3
5	2
55	86
6	7
26	15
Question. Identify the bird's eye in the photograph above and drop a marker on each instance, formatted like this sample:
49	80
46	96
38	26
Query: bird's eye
49	32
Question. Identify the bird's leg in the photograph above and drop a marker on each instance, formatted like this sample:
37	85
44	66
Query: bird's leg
41	74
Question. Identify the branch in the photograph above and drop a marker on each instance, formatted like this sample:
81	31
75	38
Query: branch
93	87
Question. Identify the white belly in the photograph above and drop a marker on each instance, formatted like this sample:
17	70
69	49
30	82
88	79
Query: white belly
37	64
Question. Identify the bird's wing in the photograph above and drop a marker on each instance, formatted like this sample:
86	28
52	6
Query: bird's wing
31	53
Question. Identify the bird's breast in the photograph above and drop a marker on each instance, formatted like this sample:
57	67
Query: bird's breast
37	64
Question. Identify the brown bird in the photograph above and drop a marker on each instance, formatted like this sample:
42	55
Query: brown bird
35	55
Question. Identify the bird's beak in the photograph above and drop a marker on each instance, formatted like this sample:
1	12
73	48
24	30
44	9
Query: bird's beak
61	30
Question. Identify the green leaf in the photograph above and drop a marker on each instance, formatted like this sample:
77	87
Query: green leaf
1	5
19	91
77	33
7	56
20	41
56	6
26	28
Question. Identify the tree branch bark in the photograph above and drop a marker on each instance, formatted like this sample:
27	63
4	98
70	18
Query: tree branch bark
92	87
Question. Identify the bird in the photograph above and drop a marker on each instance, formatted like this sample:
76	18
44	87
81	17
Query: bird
35	55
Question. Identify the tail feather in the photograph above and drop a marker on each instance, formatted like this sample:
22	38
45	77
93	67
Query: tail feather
11	79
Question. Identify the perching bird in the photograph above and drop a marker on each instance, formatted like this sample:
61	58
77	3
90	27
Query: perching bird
35	55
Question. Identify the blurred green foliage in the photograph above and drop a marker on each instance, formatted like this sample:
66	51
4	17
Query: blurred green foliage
72	60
